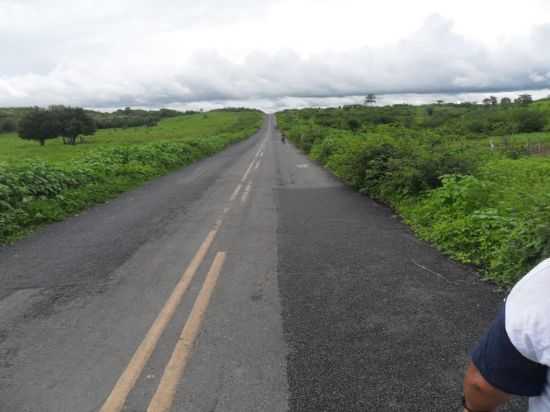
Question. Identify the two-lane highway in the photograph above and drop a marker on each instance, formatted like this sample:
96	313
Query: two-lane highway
250	281
186	294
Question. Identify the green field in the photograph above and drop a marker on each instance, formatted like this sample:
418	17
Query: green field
473	180
15	149
41	184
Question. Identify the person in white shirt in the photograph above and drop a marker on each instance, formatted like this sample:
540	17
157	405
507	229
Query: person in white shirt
513	357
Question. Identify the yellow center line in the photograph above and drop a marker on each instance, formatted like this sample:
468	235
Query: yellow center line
246	192
117	398
248	170
236	192
258	155
166	391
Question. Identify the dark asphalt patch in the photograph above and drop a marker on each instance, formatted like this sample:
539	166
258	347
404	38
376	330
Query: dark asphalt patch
369	323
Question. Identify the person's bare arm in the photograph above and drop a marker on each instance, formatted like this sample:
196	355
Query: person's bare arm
480	395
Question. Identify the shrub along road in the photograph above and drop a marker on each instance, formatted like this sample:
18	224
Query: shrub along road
249	281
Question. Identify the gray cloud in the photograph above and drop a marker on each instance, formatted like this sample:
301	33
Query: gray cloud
89	60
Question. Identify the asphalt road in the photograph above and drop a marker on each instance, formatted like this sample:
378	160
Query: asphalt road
249	281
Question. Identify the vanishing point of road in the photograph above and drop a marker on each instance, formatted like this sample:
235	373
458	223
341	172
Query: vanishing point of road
250	281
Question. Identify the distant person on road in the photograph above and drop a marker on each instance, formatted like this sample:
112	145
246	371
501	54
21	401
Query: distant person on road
283	138
513	357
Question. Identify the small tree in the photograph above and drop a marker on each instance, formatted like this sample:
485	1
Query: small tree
524	99
38	124
370	99
151	121
8	126
74	122
505	101
490	101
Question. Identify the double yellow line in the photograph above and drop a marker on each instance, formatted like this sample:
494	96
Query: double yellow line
164	396
117	398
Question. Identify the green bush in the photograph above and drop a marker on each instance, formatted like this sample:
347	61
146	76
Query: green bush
389	168
530	121
499	220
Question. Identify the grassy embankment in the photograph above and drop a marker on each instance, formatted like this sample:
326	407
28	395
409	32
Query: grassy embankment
480	197
45	184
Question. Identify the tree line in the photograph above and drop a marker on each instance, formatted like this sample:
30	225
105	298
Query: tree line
68	123
494	118
127	117
73	124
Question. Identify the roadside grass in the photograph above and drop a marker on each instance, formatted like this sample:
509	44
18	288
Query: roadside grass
39	185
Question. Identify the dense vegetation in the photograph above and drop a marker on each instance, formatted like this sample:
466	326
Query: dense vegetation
44	184
471	179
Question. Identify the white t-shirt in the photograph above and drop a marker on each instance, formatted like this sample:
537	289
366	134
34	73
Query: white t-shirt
514	355
528	324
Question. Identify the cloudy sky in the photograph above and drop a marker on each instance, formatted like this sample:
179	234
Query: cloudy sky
268	53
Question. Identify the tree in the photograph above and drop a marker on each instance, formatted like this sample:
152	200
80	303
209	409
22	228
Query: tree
151	121
505	101
8	126
370	99
524	99
493	100
490	101
38	124
67	122
74	122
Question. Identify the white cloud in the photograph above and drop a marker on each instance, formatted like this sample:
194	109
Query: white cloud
271	53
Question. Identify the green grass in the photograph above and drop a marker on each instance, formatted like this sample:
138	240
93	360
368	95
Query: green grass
42	184
14	149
